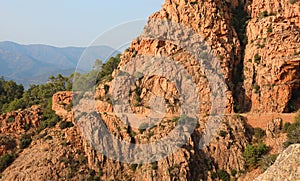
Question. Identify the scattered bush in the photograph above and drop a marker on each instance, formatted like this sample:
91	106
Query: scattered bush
293	134
253	153
257	58
267	161
154	166
223	175
10	119
233	173
132	134
8	142
286	126
263	14
269	30
223	133
143	127
293	131
297	118
25	141
176	120
50	119
256	88
9	91
6	160
293	1
259	133
65	124
133	167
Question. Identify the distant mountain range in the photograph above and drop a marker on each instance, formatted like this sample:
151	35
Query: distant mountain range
33	64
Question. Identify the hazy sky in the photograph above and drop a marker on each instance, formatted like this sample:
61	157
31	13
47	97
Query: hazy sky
68	22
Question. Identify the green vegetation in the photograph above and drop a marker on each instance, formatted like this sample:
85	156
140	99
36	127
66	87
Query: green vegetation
269	30
194	2
293	131
11	119
233	173
176	120
257	58
223	133
253	153
256	88
9	91
293	1
259	134
36	95
133	167
8	142
143	127
223	175
6	160
65	124
267	161
263	14
25	141
99	74
154	166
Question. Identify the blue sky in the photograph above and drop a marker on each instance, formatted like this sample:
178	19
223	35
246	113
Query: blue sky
68	22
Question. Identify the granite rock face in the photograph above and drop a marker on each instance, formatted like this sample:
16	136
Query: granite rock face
286	167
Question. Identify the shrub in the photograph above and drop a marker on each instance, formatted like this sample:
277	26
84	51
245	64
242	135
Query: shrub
259	133
293	1
8	142
257	58
269	30
297	118
176	120
261	149
154	166
132	134
263	14
223	175
293	131
65	124
286	126
25	141
10	119
223	133
233	173
256	88
250	156
267	161
293	134
143	127
6	160
133	167
253	153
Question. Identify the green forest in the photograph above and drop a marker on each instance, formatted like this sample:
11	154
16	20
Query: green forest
13	96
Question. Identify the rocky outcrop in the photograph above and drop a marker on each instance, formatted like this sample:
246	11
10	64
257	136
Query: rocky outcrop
227	147
272	56
286	167
274	127
271	70
18	122
289	9
208	19
62	103
51	156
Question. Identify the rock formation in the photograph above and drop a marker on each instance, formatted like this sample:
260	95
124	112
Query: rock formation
286	167
252	45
